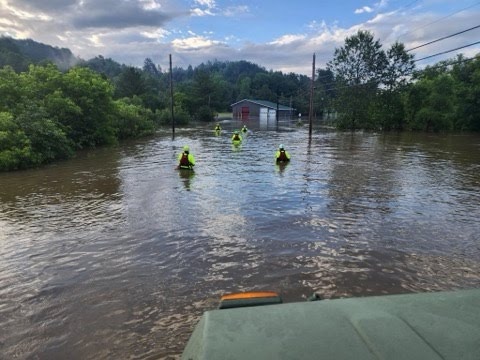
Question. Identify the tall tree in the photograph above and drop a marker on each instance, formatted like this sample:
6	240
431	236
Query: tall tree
130	83
358	67
150	68
388	111
467	90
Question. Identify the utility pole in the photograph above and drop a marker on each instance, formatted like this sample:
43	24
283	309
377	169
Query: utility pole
276	114
291	111
310	111
171	96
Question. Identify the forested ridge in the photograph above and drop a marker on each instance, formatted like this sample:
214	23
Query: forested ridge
52	103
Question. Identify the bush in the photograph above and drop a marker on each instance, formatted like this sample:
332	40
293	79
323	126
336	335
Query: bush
181	117
205	114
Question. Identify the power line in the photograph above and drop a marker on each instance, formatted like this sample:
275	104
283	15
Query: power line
409	4
334	85
406	74
445	17
443	38
446	52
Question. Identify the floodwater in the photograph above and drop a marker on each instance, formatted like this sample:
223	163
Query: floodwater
115	254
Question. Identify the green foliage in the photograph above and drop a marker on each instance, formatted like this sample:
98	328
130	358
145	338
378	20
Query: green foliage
108	67
358	68
149	69
466	76
434	110
21	53
205	114
93	95
47	114
181	117
15	148
132	120
12	92
130	82
11	55
370	82
445	97
48	141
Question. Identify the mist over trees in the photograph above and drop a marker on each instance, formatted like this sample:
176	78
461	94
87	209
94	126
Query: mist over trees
19	54
48	111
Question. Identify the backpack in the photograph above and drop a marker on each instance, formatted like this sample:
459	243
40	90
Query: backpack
184	160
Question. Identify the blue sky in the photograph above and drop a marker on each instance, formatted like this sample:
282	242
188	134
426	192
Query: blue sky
278	35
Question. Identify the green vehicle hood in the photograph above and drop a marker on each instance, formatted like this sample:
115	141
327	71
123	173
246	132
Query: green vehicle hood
442	325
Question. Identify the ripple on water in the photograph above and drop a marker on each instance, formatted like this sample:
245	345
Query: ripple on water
116	254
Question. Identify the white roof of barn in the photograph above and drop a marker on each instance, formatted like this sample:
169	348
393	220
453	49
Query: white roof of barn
267	104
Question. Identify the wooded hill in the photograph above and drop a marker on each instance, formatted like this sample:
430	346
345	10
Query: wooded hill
19	54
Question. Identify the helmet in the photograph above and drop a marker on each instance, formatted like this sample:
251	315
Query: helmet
186	148
280	146
236	132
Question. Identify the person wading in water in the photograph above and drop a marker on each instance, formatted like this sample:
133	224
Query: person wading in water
282	156
186	160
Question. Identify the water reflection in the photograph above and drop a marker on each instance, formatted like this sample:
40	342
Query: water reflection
281	166
117	254
186	175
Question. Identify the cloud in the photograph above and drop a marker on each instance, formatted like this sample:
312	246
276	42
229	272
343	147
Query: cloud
121	14
234	11
365	9
194	43
210	8
287	39
46	6
207	3
85	14
376	7
201	12
206	8
128	31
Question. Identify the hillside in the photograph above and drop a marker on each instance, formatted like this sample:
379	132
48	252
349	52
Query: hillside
20	53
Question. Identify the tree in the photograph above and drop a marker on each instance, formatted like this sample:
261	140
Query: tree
15	147
132	120
108	67
358	68
47	139
150	69
467	90
370	82
93	95
12	93
431	104
399	68
244	88
130	83
388	110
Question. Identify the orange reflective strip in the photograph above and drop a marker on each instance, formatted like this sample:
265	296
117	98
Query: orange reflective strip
249	295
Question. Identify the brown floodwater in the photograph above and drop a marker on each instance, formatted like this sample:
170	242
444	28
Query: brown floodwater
115	254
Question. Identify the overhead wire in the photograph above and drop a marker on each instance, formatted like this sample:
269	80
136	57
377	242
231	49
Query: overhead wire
438	20
409	73
417	47
443	38
447	51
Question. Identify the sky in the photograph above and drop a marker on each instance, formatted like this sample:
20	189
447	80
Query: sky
278	35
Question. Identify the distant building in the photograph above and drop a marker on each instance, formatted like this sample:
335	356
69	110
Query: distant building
258	109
